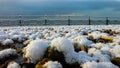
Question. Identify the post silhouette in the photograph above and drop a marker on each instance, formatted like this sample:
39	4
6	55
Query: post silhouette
45	20
89	21
107	21
20	22
68	20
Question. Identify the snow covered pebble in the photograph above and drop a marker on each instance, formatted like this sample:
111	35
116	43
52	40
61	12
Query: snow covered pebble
115	52
7	52
18	38
82	41
99	55
35	36
97	34
80	57
101	46
35	50
7	42
94	64
62	45
84	57
71	58
13	64
14	32
97	45
2	32
101	58
91	51
4	36
51	64
105	50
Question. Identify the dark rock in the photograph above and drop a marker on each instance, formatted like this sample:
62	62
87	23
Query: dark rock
41	63
116	61
27	65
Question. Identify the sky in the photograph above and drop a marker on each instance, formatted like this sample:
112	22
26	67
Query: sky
60	7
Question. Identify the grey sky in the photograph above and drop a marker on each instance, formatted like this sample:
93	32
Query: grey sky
42	7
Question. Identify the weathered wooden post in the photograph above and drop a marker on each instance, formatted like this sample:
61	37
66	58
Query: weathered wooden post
89	21
45	20
0	23
68	20
107	21
20	21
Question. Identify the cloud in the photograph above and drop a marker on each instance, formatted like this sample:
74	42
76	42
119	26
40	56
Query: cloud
56	6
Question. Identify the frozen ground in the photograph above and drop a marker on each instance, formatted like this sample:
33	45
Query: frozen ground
83	46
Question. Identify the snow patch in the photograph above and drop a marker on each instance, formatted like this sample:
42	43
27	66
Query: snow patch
51	64
35	50
62	45
82	41
7	52
7	42
13	64
94	64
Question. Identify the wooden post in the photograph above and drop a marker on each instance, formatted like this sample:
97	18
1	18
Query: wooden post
68	20
45	20
20	21
89	21
107	21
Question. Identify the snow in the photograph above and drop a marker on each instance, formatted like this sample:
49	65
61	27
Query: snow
13	64
80	57
62	45
82	41
8	42
38	38
4	36
97	34
7	52
84	57
71	57
35	36
101	57
2	32
35	50
91	51
106	50
52	64
18	38
14	32
115	51
94	64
